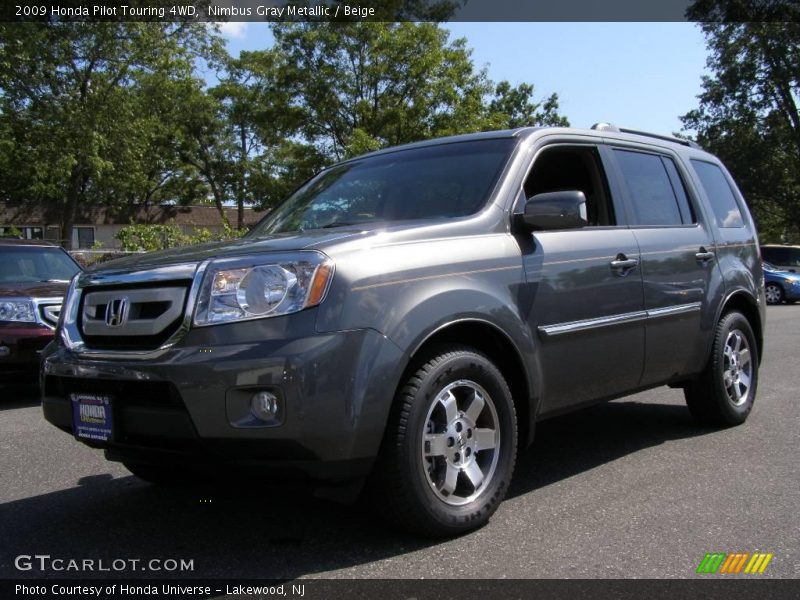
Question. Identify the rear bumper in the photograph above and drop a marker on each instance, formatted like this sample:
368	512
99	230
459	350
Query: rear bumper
336	389
20	349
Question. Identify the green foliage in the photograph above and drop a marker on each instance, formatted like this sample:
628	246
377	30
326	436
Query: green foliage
89	111
514	107
364	86
139	237
748	113
117	114
12	232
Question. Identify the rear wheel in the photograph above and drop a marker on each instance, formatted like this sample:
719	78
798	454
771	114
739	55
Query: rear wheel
724	394
450	445
774	293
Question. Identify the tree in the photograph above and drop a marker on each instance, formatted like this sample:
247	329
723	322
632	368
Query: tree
72	98
363	86
748	113
514	107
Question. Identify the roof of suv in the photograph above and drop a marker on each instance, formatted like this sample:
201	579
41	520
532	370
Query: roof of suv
599	130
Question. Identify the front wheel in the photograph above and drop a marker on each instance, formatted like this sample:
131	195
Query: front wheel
450	446
774	293
724	394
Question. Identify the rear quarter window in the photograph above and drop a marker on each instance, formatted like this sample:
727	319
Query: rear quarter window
720	195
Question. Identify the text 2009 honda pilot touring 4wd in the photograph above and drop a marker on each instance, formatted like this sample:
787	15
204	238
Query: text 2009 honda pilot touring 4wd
411	314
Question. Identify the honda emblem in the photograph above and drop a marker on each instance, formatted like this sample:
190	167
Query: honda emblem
117	312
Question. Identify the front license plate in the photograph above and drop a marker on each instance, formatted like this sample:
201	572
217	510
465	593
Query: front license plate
92	418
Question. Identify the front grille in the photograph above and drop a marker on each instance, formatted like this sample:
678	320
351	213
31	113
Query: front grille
49	313
131	317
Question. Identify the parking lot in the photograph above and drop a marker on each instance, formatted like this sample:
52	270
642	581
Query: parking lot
632	488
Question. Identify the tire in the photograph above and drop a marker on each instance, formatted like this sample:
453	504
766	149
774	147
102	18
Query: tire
723	395
774	293
447	460
160	474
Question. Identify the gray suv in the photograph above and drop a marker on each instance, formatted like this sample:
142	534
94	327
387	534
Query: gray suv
408	316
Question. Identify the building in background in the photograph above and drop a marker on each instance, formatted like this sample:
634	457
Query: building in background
100	224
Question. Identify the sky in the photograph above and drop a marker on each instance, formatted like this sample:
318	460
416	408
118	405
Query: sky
634	75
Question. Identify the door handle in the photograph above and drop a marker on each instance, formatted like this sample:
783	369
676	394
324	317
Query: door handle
704	255
623	265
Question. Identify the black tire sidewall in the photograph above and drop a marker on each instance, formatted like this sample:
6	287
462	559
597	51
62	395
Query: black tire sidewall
474	367
731	412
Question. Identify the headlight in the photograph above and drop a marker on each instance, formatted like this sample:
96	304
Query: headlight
17	310
266	285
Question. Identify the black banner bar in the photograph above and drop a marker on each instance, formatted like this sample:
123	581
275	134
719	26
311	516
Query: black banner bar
732	588
396	10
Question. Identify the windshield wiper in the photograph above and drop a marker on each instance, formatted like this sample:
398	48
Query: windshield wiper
343	224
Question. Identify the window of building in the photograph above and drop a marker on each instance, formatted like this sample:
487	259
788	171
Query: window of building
85	237
25	232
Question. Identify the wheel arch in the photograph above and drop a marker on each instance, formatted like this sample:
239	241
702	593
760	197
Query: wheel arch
744	302
500	348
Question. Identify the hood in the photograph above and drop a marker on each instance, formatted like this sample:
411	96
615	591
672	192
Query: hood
33	289
282	242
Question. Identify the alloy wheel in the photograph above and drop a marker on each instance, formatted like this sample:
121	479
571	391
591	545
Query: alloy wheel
461	442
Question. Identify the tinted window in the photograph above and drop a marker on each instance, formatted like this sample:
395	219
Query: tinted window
719	193
578	168
687	214
20	264
782	256
447	180
778	256
652	194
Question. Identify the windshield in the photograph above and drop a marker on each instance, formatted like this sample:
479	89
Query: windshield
20	264
767	266
443	181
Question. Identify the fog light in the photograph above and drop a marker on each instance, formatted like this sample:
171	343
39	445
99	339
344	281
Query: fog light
264	406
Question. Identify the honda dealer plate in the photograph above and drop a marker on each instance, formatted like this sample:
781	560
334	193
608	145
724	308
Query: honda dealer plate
92	417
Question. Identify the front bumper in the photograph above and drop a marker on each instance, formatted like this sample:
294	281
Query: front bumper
337	390
791	292
20	347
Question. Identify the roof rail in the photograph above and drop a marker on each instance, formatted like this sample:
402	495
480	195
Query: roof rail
666	138
605	127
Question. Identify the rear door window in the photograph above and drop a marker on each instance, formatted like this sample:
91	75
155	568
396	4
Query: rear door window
720	196
653	195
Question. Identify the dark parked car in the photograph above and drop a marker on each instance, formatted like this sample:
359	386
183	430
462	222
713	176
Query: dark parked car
412	314
34	277
780	286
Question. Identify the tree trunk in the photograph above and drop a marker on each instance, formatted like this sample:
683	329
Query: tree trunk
240	199
218	202
73	197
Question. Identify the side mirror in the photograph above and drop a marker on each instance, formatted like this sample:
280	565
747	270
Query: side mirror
556	210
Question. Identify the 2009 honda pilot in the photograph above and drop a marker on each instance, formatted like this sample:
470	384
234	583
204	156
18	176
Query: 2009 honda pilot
411	314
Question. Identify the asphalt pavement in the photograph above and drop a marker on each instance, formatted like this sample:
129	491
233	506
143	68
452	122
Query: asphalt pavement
631	488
